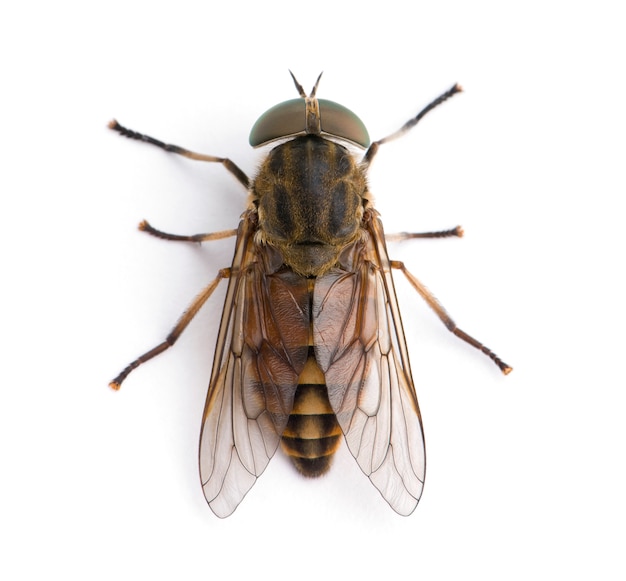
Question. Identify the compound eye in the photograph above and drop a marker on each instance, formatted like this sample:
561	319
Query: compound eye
288	119
339	121
282	120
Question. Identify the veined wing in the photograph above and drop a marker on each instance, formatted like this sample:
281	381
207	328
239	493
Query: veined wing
261	351
360	346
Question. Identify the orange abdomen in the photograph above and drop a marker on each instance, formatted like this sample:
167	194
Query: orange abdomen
312	434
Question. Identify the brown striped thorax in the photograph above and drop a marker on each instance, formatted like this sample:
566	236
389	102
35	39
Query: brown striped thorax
310	191
311	349
310	194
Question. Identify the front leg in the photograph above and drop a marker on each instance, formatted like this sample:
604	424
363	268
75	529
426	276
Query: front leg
145	227
232	167
400	236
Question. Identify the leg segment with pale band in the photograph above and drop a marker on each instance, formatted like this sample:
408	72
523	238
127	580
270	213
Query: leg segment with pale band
233	168
373	148
400	236
145	227
434	304
176	332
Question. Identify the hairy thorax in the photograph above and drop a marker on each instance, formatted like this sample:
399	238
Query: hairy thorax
310	194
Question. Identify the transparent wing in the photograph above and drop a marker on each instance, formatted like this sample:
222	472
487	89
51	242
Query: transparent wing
261	350
360	346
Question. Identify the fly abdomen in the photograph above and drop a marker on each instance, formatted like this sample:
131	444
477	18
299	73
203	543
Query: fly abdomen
312	434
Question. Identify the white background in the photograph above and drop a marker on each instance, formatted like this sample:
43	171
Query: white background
525	474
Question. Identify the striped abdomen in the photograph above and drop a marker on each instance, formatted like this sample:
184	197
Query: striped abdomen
312	434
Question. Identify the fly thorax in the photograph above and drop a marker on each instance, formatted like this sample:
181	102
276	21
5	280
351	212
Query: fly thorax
310	194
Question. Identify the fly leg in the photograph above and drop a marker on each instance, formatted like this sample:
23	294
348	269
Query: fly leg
400	236
176	332
145	227
434	304
227	163
373	148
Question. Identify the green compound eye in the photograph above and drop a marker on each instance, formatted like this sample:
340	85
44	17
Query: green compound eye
288	119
